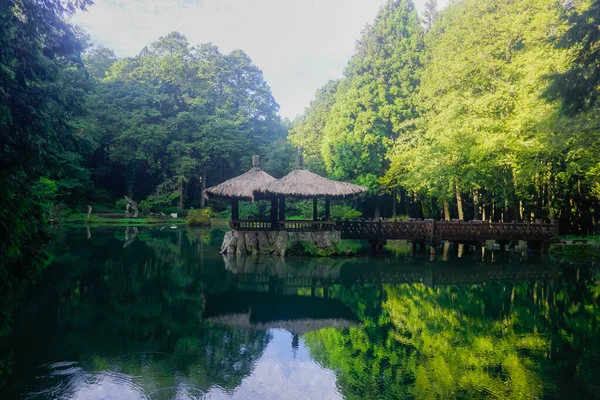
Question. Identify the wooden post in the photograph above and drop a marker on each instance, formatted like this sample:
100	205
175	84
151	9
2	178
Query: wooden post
282	208
235	210
274	224
315	211
327	208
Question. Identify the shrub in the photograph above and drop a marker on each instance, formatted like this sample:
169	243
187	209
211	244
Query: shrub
199	217
120	205
344	212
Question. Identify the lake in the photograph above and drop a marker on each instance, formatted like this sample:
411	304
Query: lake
158	313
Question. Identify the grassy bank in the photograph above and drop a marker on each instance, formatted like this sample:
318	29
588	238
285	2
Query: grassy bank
81	219
98	220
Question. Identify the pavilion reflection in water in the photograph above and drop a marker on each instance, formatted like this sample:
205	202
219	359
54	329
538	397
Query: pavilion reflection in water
264	291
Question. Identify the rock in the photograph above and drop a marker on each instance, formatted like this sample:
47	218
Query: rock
281	243
264	246
241	243
276	243
229	243
251	242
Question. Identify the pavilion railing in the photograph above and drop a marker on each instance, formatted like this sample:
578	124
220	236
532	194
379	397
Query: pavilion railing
295	226
250	225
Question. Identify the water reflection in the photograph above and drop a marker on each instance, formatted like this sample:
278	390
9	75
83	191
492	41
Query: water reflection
157	313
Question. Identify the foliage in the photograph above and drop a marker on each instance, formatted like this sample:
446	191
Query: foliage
573	252
486	132
163	196
199	217
307	247
374	103
342	212
42	86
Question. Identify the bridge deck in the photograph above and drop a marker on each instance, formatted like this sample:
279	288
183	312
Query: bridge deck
425	231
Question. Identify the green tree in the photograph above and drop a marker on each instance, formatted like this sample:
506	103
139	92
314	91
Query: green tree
430	14
374	103
308	129
42	86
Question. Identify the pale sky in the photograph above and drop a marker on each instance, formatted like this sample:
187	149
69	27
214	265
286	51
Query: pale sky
299	45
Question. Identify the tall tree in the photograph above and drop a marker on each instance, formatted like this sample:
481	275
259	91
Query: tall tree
430	14
577	87
308	129
374	103
487	132
41	88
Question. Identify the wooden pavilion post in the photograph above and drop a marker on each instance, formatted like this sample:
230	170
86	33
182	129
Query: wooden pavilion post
282	208
315	211
327	208
274	224
235	210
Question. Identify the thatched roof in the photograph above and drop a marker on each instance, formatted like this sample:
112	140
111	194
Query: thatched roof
302	183
260	310
243	186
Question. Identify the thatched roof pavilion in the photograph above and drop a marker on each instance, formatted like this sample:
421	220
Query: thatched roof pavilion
303	184
242	187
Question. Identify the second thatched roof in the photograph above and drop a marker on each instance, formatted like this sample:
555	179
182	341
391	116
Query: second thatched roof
302	183
243	186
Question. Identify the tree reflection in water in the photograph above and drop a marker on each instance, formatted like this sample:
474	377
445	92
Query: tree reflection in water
162	316
519	340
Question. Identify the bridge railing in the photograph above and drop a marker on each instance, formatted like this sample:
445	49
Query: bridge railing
306	226
414	230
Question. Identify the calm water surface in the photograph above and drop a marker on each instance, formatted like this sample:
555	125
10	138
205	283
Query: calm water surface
159	314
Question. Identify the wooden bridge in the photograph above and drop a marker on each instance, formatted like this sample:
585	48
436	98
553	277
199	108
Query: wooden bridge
429	231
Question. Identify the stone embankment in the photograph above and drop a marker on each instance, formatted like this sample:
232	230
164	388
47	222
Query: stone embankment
282	243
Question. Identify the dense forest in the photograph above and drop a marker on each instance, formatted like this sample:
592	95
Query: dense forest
486	110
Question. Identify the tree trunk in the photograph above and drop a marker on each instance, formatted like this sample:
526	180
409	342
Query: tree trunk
425	209
180	194
394	202
520	203
446	210
203	188
475	204
132	204
459	203
376	213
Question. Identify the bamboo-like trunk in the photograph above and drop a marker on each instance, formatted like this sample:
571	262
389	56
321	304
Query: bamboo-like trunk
376	212
446	210
180	194
459	203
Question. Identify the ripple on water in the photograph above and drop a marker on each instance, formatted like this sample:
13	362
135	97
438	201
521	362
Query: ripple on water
68	380
137	363
178	393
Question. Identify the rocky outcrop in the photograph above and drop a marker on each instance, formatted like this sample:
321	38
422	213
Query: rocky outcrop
282	243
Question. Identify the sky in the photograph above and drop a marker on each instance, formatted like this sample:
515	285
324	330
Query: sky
299	45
